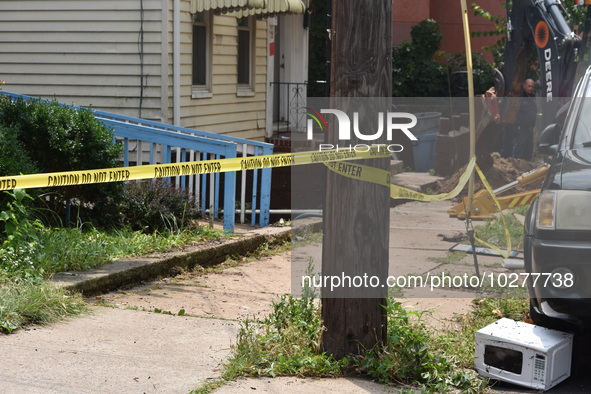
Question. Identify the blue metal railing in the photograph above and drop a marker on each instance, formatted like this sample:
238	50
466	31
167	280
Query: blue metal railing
163	143
244	148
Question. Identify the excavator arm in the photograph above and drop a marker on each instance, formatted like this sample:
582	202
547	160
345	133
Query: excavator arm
483	204
538	25
532	25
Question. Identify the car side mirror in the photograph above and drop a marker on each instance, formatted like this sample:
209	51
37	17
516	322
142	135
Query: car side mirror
547	150
548	143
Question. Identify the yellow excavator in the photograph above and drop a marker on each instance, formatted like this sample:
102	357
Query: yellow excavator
483	205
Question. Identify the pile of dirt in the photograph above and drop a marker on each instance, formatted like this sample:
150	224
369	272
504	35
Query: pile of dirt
503	170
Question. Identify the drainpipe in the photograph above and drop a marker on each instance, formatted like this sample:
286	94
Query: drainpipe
176	63
271	25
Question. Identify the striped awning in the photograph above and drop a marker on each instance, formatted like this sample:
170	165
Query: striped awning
224	6
276	7
250	7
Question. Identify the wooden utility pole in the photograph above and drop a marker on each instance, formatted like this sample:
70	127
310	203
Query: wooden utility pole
356	213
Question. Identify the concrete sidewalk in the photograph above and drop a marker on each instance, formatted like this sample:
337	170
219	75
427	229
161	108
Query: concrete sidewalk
115	351
125	348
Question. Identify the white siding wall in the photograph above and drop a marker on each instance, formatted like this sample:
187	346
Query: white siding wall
84	52
225	112
88	53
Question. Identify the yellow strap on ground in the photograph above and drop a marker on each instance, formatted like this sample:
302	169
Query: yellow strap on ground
86	177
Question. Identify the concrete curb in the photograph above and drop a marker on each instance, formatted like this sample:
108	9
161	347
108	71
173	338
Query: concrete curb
131	271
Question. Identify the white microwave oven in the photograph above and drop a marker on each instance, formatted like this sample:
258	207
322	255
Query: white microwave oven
523	354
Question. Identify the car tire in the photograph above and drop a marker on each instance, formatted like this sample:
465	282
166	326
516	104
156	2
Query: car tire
582	340
540	319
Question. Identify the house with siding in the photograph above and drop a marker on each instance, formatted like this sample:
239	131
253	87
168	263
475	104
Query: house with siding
204	64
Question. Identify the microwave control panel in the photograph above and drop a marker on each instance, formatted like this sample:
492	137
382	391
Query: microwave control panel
539	368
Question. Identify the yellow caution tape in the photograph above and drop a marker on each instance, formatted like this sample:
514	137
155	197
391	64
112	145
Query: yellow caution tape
360	172
334	159
506	253
86	177
400	192
382	177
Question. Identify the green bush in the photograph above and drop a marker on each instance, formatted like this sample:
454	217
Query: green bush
155	206
14	160
419	70
19	237
60	138
415	73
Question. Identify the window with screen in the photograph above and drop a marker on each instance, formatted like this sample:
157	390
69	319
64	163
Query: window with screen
245	51
201	58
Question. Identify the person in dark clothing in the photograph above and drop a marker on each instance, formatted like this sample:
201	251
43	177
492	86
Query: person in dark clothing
524	124
504	144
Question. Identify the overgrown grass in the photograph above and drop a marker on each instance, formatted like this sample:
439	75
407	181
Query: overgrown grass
74	249
412	357
27	298
287	342
31	249
32	252
25	302
493	232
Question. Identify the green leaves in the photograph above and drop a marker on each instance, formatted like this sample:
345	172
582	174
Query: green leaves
426	37
20	237
14	159
49	137
411	356
157	206
420	70
60	138
287	342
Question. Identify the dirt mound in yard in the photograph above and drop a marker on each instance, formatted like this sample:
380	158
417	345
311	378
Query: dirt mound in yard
503	170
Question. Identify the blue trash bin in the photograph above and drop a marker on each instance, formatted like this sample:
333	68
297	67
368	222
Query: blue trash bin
427	123
424	152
